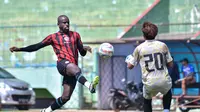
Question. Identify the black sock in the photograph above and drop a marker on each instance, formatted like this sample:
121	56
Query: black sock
167	100
57	104
80	78
147	105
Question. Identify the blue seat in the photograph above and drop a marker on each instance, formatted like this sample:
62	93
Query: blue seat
190	91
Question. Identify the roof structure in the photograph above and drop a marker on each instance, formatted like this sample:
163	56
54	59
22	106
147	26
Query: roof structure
162	13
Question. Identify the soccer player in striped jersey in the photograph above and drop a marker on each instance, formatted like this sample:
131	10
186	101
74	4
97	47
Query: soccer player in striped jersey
66	45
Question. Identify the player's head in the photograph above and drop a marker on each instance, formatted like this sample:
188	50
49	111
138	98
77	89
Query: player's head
63	23
184	61
149	30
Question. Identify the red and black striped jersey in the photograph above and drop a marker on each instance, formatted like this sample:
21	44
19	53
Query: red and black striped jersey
65	47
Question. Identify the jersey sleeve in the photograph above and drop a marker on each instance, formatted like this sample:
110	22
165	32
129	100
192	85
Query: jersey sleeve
80	45
79	39
48	40
191	68
135	57
34	47
168	54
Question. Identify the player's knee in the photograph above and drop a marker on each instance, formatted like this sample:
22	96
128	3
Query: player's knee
65	98
78	70
183	82
73	69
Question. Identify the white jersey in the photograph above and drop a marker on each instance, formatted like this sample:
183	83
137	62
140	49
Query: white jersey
153	57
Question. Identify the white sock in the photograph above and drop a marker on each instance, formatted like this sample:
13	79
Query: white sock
166	110
87	84
48	109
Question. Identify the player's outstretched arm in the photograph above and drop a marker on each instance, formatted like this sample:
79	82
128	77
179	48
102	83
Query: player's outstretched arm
29	48
128	60
83	50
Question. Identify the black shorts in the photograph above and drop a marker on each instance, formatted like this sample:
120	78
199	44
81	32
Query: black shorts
62	66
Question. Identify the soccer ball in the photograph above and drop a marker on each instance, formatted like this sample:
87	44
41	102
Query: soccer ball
106	50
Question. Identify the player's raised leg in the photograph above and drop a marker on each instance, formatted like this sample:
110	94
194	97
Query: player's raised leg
74	70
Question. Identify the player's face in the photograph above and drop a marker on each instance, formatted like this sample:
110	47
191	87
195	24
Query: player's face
184	63
64	24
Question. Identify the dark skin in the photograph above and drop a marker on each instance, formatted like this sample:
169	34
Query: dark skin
71	69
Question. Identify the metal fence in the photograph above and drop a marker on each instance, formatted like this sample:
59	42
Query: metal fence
111	71
31	34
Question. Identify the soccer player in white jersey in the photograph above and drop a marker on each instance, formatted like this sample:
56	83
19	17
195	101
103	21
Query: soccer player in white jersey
154	58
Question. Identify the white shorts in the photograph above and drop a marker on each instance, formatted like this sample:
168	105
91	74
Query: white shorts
151	90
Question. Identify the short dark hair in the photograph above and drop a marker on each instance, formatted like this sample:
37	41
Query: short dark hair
58	19
149	30
185	60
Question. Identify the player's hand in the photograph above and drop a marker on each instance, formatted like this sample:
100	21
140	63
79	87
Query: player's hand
14	49
87	48
177	81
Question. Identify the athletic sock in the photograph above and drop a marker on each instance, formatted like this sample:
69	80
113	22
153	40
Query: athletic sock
57	104
87	84
147	105
167	100
81	79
